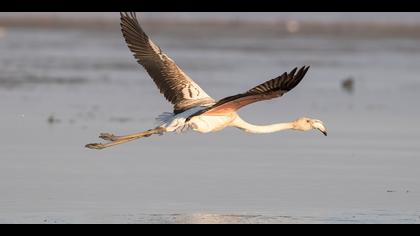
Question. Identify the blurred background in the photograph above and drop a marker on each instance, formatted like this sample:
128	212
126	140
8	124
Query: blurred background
66	77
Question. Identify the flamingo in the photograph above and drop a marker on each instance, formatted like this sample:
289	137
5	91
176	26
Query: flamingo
194	109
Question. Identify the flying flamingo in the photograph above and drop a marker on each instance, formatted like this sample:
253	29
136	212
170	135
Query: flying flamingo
193	108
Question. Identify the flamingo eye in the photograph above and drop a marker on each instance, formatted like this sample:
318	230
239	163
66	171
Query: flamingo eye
307	121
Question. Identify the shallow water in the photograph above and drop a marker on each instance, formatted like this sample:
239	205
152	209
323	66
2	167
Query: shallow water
366	171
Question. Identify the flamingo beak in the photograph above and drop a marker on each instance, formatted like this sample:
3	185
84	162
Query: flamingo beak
320	126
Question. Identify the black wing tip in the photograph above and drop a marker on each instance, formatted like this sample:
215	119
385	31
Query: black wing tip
284	82
294	79
292	72
303	68
302	72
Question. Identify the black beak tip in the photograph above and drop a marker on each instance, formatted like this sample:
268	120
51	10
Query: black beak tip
324	132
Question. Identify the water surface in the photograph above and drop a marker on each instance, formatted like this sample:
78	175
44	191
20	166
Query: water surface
60	88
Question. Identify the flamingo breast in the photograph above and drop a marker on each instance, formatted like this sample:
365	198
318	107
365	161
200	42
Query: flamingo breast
201	123
206	123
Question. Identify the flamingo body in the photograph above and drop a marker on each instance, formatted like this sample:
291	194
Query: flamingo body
193	108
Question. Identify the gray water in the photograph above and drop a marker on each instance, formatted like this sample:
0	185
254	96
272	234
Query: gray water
321	17
60	88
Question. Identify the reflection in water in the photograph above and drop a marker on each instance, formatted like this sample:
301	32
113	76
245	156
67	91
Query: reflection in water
351	217
320	217
208	218
202	218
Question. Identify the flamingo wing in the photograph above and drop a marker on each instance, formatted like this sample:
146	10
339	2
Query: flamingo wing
173	83
276	87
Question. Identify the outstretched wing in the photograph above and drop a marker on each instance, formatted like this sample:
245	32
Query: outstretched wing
176	86
265	91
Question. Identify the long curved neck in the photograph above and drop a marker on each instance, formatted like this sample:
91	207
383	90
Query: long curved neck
261	129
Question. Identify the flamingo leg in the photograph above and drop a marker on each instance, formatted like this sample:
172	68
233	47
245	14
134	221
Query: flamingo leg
115	140
105	145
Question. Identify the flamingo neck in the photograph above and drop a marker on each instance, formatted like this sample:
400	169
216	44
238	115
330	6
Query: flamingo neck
261	129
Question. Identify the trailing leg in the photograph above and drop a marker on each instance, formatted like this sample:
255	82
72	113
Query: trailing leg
115	140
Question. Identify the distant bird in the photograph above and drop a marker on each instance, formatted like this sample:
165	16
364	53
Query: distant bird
52	120
193	108
348	84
